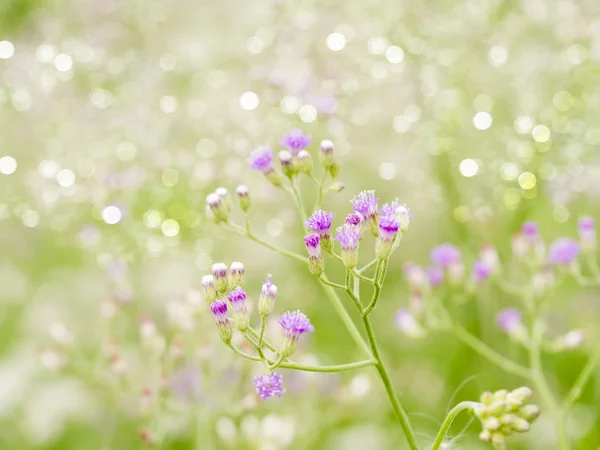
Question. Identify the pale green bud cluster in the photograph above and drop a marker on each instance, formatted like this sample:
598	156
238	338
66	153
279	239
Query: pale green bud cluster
502	413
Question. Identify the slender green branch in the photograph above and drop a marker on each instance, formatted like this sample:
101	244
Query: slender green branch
336	368
357	274
462	406
354	296
266	343
489	353
329	283
320	192
243	354
298	200
261	333
235	229
537	376
379	275
335	256
371	264
277	363
581	381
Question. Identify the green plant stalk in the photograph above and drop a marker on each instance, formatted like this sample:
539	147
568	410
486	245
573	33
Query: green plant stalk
320	193
462	406
537	376
581	381
409	434
379	276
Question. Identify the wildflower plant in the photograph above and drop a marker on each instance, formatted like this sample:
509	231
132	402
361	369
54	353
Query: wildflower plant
446	280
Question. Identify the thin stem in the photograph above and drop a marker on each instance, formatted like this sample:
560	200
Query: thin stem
581	381
379	275
243	354
462	406
329	283
489	353
277	363
336	256
357	274
371	264
320	193
385	379
353	295
409	434
335	368
298	201
261	333
537	376
264	342
235	229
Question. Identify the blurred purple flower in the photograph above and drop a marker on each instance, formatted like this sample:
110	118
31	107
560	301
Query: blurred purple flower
564	251
445	255
295	140
262	159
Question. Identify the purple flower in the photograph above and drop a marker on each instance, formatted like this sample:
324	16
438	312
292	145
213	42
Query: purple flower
269	385
445	255
407	323
348	239
509	320
237	298
587	233
564	251
415	275
262	159
435	275
388	227
586	224
295	324
353	222
219	310
481	271
295	140
365	203
320	223
266	301
530	231
312	245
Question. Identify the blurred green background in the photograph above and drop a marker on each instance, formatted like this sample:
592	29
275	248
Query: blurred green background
477	114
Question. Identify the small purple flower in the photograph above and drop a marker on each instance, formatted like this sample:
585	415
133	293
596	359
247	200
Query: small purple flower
365	203
266	301
237	298
295	324
262	159
445	255
219	310
586	224
320	223
269	385
481	271
348	239
312	245
564	251
587	233
435	275
353	222
530	231
295	140
509	320
388	227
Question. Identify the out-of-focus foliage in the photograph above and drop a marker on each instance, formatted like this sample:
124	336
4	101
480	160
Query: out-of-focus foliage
477	114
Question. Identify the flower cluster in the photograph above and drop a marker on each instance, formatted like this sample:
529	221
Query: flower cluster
295	159
447	272
502	413
224	283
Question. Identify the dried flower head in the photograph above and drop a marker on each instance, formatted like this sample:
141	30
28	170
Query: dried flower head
295	140
269	385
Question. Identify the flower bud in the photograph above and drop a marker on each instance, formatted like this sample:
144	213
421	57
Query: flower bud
326	154
236	275
217	207
294	325
266	301
572	339
529	412
498	441
485	436
334	170
348	239
287	164
336	187
305	162
522	393
225	198
237	298
519	425
491	423
219	310
219	271
208	286
315	258
243	194
486	398
274	178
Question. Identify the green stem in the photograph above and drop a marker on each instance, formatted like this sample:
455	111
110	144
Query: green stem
379	276
357	274
298	201
320	193
371	264
235	229
329	283
335	368
581	381
264	342
385	379
261	333
537	376
489	353
355	298
462	406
